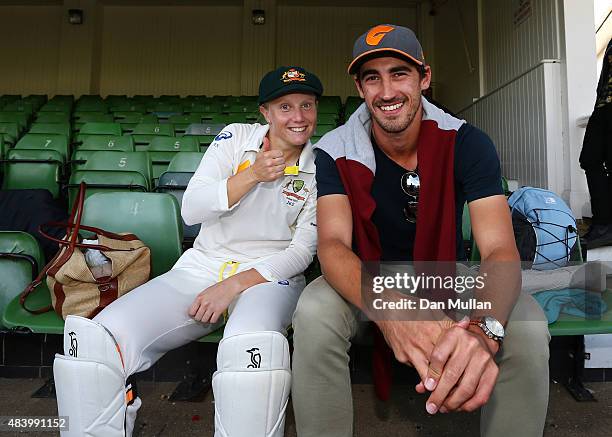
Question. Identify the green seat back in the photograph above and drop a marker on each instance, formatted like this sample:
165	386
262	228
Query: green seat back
209	107
104	181
163	149
322	129
131	106
204	133
53	117
33	169
329	119
20	106
143	133
121	161
173	144
57	107
175	183
107	142
91	117
181	122
20	261
10	131
51	128
104	128
185	162
21	118
57	142
153	217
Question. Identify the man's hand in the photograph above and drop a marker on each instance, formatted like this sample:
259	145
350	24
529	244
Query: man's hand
413	342
269	164
211	303
461	373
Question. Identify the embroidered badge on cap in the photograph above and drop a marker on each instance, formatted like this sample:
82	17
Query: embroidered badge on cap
292	75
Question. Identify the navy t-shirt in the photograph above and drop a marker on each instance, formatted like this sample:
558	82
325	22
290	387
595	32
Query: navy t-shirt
477	175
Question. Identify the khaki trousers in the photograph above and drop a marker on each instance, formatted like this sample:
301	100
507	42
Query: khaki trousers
324	324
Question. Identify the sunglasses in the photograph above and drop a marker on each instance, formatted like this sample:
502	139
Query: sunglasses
411	185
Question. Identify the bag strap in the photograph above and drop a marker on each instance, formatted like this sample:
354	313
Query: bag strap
60	258
62	242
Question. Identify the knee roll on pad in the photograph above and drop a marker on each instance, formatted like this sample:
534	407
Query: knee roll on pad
251	385
90	381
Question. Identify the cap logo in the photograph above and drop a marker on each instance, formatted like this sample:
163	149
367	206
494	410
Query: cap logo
376	34
292	75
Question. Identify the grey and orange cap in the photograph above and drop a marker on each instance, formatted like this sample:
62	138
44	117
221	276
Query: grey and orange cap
386	39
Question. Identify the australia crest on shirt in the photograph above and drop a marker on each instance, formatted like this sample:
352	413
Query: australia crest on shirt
294	191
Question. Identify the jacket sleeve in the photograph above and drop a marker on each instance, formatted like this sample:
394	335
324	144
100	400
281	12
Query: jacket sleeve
206	195
300	252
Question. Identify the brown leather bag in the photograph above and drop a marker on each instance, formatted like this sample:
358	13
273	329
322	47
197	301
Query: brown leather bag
74	289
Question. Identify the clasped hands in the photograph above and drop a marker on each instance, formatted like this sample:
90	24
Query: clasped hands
454	361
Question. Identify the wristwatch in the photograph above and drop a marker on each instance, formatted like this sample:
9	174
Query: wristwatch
491	327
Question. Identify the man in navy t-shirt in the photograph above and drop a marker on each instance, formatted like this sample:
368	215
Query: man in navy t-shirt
391	184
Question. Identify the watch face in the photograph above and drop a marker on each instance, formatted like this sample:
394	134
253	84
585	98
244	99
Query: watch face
494	326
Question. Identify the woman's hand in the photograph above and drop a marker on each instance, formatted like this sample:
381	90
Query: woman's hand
211	303
269	164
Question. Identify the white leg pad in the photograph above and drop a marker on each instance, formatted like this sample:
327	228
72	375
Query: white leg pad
252	385
90	381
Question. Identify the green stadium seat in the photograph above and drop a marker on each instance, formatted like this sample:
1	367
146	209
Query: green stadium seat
90	105
331	119
19	106
156	221
96	143
153	217
27	168
131	106
116	99
20	118
210	107
329	105
244	107
93	128
108	142
129	120
231	118
21	258
51	128
10	131
143	133
322	129
102	181
205	133
55	142
121	161
351	105
37	100
185	162
181	121
53	117
175	184
81	118
56	106
165	107
162	150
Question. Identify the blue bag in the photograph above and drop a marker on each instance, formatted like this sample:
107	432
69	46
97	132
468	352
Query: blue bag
544	228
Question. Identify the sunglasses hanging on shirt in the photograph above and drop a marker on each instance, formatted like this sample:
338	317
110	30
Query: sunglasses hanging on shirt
411	185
